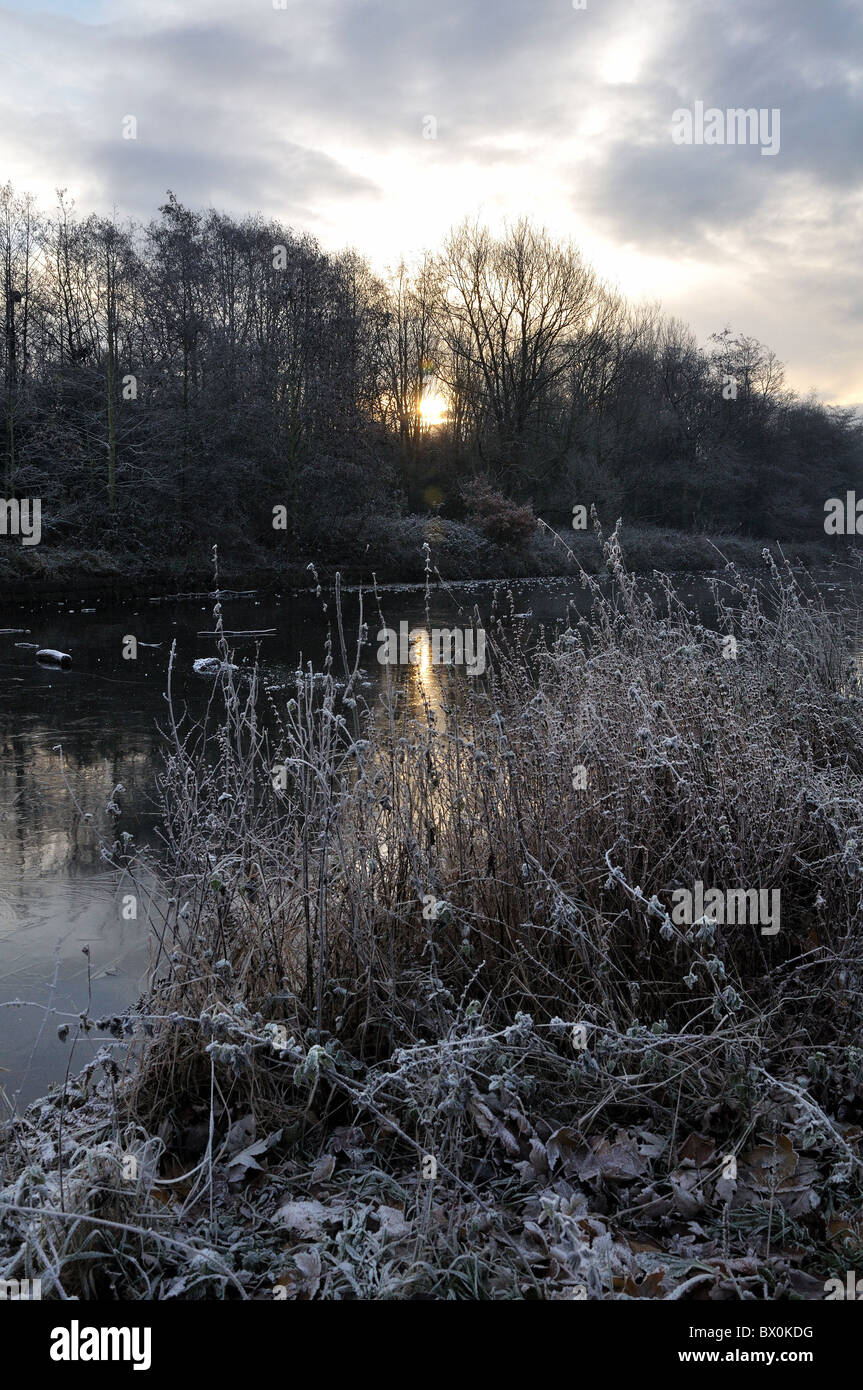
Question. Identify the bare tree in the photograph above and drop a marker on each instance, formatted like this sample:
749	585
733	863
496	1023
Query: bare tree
510	317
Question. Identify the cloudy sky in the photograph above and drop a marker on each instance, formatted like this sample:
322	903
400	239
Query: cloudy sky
319	112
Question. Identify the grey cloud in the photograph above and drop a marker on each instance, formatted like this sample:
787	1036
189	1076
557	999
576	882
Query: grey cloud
252	108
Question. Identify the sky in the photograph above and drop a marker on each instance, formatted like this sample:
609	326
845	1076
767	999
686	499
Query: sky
380	125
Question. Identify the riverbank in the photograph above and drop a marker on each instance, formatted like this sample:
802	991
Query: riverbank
428	1020
393	553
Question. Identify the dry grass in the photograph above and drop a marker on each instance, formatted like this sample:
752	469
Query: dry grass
303	999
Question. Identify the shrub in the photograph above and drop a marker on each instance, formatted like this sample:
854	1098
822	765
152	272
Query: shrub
502	520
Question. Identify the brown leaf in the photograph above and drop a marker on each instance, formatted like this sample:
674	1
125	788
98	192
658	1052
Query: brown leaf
698	1149
845	1224
772	1163
649	1287
806	1285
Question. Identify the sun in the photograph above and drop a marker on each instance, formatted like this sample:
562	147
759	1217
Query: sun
433	408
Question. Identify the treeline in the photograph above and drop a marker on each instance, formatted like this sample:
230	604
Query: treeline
168	385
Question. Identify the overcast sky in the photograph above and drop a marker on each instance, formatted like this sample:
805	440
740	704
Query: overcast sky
318	113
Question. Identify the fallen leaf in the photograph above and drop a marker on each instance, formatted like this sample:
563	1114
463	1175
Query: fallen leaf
393	1222
560	1147
323	1169
303	1218
619	1161
698	1149
489	1125
688	1197
240	1134
308	1262
247	1158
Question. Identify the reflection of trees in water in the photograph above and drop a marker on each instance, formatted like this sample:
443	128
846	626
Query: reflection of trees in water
42	831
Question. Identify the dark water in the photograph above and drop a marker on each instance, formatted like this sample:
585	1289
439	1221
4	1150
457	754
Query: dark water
57	896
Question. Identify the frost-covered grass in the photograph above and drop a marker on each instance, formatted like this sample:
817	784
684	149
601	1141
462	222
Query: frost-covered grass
360	1071
387	545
